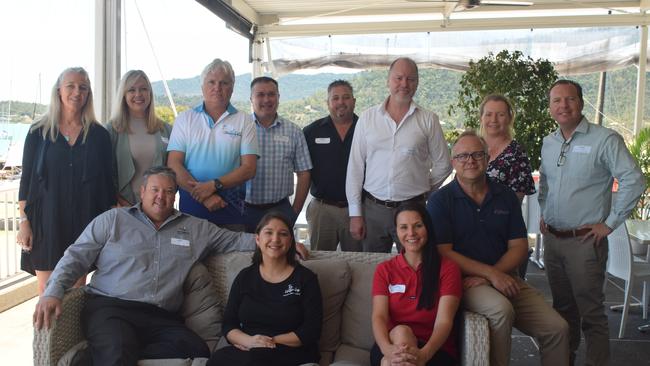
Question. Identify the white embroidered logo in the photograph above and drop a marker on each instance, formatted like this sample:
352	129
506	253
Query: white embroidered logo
292	291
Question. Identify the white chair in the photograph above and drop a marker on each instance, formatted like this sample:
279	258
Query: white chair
621	264
532	214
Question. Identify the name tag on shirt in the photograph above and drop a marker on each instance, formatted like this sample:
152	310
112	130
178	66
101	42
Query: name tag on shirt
581	149
180	242
165	140
399	288
408	151
322	140
280	138
182	237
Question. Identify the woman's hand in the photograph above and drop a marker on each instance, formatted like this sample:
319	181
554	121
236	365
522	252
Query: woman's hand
24	237
257	341
401	355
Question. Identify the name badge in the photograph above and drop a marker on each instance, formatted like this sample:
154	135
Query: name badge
322	140
581	149
279	138
164	140
180	242
182	237
399	288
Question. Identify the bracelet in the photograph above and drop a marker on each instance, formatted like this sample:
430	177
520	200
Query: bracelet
22	219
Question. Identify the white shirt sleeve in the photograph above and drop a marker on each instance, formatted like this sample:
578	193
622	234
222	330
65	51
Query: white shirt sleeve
356	168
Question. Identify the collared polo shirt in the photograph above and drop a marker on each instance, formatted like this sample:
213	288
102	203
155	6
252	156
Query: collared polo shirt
480	232
283	151
397	280
213	149
329	156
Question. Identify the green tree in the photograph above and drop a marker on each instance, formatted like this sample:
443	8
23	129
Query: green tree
524	81
640	150
166	114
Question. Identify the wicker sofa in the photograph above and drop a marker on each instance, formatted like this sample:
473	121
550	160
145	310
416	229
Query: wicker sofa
345	279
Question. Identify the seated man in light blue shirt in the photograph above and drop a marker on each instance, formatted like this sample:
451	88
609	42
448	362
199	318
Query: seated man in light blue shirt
283	152
142	254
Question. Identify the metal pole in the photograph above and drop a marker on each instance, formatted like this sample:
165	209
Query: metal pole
600	104
641	80
108	50
257	56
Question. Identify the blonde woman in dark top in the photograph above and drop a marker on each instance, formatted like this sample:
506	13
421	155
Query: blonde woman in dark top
508	164
139	138
66	178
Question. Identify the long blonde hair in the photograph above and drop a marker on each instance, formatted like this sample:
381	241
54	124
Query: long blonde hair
511	113
120	116
50	120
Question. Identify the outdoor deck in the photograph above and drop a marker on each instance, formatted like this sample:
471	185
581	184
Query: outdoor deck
634	350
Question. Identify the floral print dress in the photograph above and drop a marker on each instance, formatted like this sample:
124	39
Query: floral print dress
512	168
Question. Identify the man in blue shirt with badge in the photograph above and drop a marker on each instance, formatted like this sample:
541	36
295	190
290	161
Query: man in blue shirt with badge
579	163
283	152
213	150
478	224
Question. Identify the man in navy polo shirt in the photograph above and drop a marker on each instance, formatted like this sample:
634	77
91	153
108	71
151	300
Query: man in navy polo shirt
478	224
329	140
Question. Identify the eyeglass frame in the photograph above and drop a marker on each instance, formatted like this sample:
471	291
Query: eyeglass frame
476	156
564	149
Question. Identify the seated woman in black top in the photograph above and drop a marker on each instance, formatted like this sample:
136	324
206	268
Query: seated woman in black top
274	311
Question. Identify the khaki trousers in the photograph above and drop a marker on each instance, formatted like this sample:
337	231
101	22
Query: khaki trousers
529	313
576	274
328	226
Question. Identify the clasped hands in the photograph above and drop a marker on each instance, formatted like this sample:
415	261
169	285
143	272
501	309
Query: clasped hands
256	341
205	193
405	355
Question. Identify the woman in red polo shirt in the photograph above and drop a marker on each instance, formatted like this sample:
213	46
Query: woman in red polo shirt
415	296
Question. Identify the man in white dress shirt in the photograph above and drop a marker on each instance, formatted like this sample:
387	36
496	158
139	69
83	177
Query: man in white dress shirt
399	154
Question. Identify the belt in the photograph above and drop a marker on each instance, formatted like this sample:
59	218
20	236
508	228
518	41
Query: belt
265	206
394	204
339	204
568	233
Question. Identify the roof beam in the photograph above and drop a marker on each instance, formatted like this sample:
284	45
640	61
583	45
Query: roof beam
612	20
246	11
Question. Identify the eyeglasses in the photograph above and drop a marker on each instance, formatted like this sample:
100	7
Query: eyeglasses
563	150
476	155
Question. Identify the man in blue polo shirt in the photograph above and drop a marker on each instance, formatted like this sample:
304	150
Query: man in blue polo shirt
213	150
478	225
283	152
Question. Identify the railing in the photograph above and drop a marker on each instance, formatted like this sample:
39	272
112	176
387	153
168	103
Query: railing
9	217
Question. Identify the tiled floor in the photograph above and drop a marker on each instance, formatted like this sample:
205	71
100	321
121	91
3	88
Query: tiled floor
634	350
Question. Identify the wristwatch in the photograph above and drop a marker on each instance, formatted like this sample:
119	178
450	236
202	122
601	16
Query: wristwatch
218	185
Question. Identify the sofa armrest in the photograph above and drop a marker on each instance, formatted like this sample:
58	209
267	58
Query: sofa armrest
475	340
50	344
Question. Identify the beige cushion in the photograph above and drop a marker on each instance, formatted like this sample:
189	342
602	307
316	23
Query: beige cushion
334	279
351	356
202	309
356	327
234	264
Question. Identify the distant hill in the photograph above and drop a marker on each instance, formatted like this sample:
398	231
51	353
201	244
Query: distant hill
292	86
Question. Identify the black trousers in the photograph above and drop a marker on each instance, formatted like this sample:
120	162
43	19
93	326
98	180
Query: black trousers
121	332
279	356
